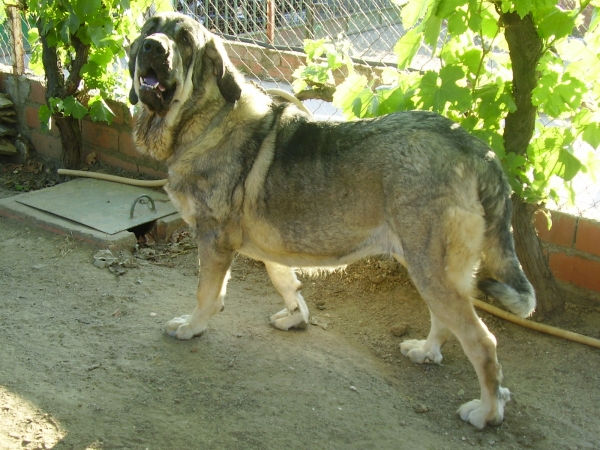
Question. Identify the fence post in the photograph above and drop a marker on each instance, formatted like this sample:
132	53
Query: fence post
310	19
271	21
16	37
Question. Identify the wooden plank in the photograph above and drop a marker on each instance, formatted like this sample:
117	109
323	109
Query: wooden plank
6	148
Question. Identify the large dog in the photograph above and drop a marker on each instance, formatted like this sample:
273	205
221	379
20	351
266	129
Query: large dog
263	179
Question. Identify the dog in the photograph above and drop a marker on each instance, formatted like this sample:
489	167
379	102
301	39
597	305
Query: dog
265	180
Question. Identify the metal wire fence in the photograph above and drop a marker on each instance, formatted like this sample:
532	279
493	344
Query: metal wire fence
265	39
371	27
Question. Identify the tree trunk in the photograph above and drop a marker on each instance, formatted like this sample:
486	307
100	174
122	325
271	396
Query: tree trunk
70	136
525	49
550	297
58	87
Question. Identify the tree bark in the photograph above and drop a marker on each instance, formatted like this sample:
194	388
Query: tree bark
71	139
57	87
525	49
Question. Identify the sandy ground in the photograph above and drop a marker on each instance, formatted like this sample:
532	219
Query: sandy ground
84	362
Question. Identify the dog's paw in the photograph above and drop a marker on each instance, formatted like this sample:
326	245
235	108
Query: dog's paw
181	328
283	320
479	415
419	353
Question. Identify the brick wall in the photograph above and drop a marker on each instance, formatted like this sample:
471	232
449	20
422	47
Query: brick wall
109	143
573	248
572	245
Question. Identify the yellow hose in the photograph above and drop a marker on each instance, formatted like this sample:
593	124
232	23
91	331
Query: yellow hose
290	98
553	331
104	176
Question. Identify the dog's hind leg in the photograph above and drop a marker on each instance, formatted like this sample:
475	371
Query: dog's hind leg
427	351
441	266
295	313
451	311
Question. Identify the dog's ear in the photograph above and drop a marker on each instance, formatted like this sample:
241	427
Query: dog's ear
133	49
216	58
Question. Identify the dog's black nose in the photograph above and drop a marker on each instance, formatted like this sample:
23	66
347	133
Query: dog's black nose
154	46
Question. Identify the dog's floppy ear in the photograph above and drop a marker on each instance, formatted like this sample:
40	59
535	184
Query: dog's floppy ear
133	49
215	57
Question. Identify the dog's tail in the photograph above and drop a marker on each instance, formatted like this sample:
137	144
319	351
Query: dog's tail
508	282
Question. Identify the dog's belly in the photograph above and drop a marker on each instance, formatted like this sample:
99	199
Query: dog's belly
265	243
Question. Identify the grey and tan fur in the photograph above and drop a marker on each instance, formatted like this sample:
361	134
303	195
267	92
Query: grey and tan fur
265	180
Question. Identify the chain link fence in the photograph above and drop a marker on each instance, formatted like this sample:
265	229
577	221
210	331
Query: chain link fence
371	27
265	39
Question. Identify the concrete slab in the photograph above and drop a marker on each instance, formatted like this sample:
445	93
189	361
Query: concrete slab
103	205
11	208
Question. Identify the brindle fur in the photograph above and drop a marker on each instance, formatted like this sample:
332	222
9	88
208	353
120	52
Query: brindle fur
265	180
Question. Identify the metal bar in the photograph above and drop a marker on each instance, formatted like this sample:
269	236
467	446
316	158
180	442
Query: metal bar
152	206
16	36
310	19
236	24
271	21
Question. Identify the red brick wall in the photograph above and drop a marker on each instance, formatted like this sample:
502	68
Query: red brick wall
573	248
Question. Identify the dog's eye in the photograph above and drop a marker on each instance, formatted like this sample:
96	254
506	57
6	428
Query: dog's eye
186	39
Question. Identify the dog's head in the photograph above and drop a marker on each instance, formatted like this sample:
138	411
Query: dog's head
173	58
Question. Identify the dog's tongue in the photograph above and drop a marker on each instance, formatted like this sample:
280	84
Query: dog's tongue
152	80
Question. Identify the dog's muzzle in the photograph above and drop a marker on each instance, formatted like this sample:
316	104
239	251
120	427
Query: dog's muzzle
154	70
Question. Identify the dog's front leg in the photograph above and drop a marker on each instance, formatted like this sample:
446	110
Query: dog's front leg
427	351
212	283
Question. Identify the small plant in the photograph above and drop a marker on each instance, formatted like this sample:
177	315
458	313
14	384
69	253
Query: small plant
473	84
80	47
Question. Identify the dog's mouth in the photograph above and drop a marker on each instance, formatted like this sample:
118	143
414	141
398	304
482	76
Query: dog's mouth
155	93
151	81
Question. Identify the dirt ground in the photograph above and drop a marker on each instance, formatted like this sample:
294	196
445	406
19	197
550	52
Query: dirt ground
84	362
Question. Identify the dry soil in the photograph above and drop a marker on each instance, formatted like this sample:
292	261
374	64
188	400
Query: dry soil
84	362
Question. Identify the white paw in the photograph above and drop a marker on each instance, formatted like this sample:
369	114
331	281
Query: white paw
479	415
283	320
419	353
181	328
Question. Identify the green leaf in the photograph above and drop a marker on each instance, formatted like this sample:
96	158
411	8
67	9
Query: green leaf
513	165
73	107
56	104
314	48
100	111
428	88
396	101
407	47
102	57
569	165
414	11
450	91
591	134
457	23
489	24
44	114
85	8
475	21
555	23
431	31
72	24
348	91
522	7
472	59
446	8
557	94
